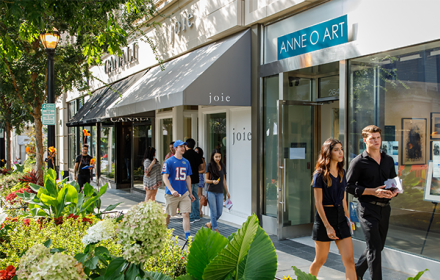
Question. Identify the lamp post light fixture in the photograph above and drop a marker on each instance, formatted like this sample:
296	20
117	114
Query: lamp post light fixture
50	40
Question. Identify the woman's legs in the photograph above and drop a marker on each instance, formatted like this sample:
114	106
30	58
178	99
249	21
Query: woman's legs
345	247
212	201
219	199
150	195
200	193
321	249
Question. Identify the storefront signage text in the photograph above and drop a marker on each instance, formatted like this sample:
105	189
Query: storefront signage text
129	55
128	119
218	98
327	34
241	136
186	21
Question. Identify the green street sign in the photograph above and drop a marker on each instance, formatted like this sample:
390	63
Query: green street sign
49	113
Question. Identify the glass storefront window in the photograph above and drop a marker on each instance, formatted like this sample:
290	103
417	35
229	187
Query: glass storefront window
167	135
270	138
108	152
399	91
329	87
217	135
141	141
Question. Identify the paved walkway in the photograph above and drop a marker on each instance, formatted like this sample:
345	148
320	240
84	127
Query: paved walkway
290	252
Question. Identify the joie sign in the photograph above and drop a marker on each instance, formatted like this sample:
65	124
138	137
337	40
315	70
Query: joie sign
129	55
323	35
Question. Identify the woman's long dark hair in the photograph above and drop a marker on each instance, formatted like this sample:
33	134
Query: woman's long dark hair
200	151
323	164
212	167
149	153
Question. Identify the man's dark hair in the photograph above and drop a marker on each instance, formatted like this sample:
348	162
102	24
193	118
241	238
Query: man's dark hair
172	143
85	146
190	143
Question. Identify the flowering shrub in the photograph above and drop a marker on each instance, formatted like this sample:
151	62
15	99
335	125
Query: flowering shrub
12	199
30	177
142	232
67	236
38	263
103	230
8	273
33	257
171	261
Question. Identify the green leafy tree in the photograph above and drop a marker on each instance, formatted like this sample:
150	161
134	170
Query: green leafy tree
89	28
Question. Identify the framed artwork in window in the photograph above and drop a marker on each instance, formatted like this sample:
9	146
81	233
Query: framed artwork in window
413	141
435	126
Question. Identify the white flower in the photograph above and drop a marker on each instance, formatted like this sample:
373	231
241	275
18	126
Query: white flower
3	216
31	258
101	231
142	232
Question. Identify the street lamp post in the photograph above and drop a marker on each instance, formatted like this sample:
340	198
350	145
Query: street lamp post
50	39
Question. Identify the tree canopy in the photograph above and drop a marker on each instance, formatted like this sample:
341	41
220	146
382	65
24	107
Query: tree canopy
89	28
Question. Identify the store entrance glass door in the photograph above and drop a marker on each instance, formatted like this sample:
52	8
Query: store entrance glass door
296	148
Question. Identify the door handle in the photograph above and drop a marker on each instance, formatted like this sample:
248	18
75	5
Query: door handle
284	184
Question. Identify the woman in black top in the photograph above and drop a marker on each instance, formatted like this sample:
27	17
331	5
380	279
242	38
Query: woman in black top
332	218
216	178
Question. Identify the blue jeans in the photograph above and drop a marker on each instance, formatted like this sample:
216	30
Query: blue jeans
215	201
195	210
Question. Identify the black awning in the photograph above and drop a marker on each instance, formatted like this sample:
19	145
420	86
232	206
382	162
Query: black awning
94	109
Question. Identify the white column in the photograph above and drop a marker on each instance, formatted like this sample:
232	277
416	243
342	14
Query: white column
178	120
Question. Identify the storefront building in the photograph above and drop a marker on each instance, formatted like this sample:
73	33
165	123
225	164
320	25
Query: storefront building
267	83
329	72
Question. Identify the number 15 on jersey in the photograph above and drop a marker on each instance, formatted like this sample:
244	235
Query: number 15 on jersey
180	174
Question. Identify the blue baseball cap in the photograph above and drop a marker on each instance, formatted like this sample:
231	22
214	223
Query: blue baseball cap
178	143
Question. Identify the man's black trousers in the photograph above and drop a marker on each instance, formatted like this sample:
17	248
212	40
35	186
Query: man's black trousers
374	221
82	179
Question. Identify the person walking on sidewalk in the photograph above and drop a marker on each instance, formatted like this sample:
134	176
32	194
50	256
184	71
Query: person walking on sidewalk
176	173
216	178
152	174
171	152
365	180
195	160
332	221
81	161
201	179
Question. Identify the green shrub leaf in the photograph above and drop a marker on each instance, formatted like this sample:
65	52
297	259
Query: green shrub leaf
132	272
186	277
47	243
230	257
81	257
50	186
303	275
115	267
92	263
205	247
417	277
88	189
34	187
261	260
111	207
156	276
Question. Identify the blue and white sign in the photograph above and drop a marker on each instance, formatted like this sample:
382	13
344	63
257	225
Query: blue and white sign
323	35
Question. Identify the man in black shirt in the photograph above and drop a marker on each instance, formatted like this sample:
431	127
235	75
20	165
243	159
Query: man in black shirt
195	160
365	180
81	161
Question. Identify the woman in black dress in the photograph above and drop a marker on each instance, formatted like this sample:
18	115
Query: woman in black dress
332	221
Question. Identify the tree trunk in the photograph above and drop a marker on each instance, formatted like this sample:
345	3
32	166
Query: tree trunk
8	145
39	151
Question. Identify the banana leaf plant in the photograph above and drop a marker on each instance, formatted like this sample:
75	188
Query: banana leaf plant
56	199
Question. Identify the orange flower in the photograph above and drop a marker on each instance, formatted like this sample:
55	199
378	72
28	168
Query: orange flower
86	132
92	161
52	150
28	150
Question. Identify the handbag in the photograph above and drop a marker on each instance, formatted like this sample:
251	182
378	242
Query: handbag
204	199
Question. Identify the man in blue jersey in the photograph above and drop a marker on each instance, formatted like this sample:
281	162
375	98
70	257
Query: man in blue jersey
176	176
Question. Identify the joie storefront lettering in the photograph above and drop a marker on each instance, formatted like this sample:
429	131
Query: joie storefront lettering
238	136
129	55
320	36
